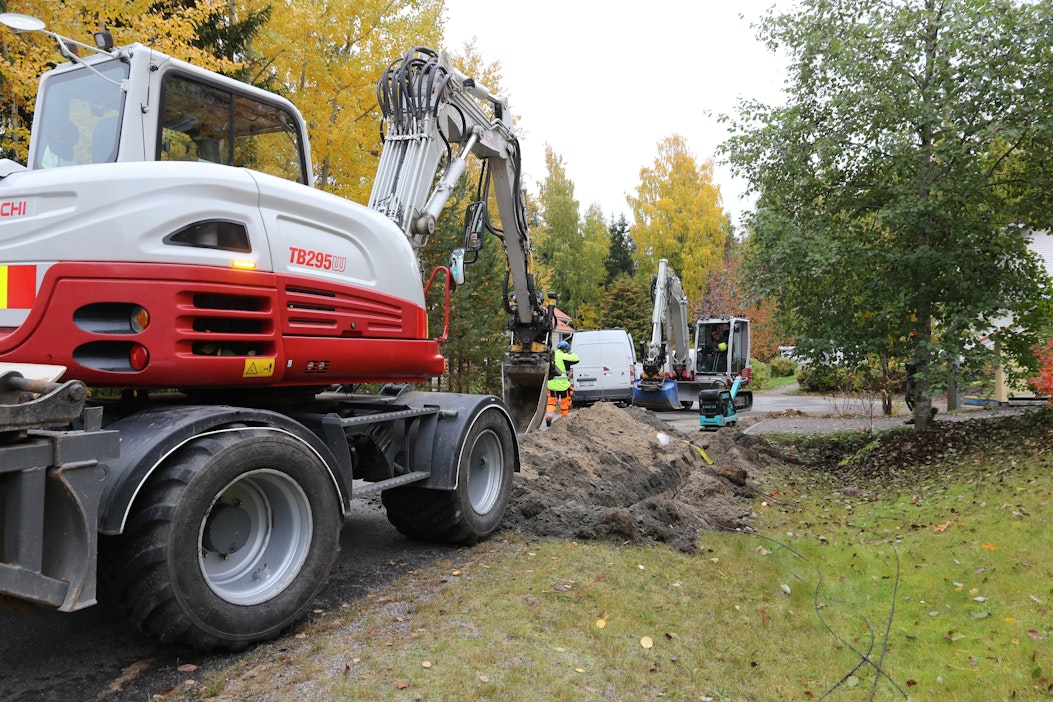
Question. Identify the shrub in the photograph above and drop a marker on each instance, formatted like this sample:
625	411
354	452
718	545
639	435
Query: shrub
1043	382
761	374
866	378
782	367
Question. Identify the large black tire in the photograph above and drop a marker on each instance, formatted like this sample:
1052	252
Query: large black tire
227	543
474	510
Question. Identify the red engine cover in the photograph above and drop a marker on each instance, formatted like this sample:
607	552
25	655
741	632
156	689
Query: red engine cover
213	327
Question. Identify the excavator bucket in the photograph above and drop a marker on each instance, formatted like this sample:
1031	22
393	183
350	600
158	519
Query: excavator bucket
526	392
656	396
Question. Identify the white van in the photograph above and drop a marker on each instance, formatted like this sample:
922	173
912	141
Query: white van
607	369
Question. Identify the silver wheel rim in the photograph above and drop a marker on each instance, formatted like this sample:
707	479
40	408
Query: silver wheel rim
485	472
255	537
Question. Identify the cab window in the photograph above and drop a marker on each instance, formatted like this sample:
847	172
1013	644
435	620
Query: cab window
78	117
202	122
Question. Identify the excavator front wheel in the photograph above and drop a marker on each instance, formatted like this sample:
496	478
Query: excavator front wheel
228	542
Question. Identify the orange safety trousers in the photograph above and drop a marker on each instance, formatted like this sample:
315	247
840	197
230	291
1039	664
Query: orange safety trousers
563	399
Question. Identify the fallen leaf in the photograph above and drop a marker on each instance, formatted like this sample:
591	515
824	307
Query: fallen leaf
130	673
187	668
989	547
402	684
425	664
646	642
1035	635
940	528
600	623
483	678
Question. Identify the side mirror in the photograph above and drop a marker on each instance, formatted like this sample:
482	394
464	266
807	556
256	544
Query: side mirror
474	226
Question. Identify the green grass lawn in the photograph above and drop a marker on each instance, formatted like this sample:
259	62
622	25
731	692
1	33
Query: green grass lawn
925	582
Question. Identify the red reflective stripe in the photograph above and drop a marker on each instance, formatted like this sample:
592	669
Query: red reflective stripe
21	287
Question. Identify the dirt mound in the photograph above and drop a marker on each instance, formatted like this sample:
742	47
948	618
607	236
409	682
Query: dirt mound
602	473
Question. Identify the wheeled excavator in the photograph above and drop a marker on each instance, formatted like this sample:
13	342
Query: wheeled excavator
186	324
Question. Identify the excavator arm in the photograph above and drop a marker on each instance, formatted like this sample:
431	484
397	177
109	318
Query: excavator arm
668	357
435	117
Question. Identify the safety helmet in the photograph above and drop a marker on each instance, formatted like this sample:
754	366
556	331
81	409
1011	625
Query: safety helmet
563	346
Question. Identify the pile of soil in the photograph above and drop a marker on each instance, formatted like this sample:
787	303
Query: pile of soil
603	473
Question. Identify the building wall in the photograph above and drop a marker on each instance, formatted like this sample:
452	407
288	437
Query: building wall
1042	244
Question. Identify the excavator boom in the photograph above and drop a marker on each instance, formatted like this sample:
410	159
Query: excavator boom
435	116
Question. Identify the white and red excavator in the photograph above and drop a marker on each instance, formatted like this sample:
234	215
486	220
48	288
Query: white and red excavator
186	323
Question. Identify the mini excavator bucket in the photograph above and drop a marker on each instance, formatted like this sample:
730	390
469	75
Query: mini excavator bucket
524	381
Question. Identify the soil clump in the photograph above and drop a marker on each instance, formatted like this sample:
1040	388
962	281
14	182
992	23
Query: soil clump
603	474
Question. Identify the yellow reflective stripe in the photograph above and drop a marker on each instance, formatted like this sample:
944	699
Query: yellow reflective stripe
3	287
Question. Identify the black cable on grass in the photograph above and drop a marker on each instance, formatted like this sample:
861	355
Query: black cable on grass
864	658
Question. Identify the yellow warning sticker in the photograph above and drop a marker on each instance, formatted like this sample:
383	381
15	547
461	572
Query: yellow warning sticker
258	368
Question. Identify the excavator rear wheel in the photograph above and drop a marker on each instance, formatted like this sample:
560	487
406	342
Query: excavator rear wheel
472	511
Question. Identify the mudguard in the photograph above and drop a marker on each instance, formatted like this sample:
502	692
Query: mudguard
150	436
436	445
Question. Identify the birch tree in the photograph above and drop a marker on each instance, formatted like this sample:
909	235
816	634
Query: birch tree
679	217
897	185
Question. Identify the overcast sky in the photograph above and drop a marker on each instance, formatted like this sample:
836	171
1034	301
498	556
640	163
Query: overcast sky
603	82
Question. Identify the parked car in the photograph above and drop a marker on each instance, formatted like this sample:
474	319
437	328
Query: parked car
607	369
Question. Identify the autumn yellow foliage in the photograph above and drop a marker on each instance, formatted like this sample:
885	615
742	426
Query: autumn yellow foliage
679	216
326	57
24	57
